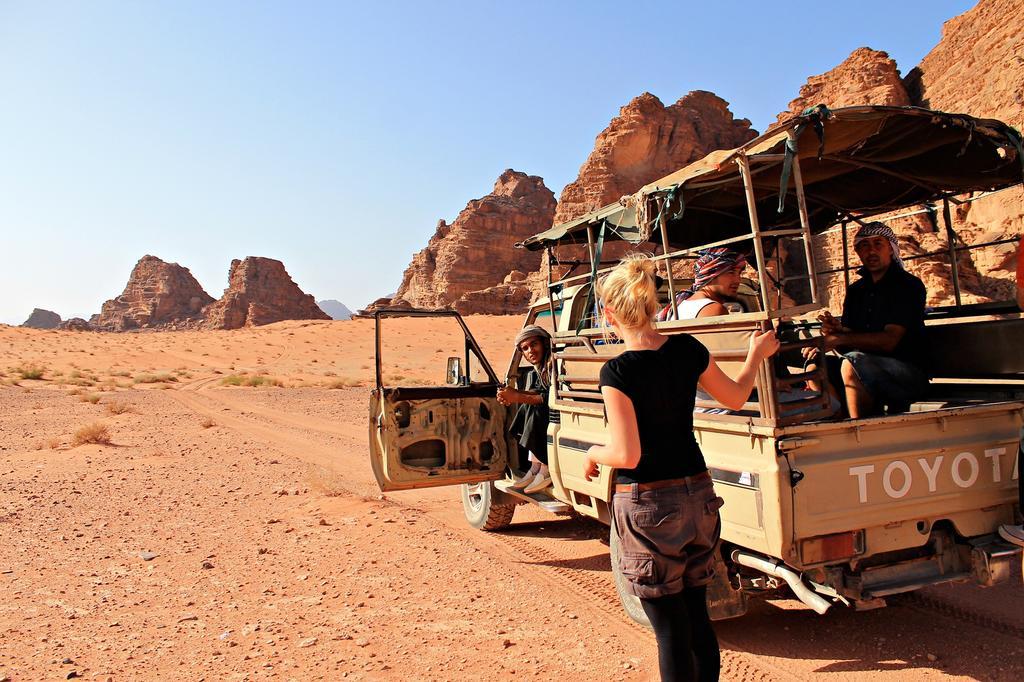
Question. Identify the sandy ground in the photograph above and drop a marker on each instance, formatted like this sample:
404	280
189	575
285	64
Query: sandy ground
236	533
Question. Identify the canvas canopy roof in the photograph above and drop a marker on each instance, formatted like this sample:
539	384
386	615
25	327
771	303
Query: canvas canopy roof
854	161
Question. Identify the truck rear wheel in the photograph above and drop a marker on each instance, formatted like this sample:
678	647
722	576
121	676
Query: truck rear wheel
481	511
629	602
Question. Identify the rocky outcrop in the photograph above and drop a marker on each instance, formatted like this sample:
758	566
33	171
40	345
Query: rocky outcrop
476	252
649	140
978	68
158	295
336	309
865	77
260	292
512	295
76	324
42	319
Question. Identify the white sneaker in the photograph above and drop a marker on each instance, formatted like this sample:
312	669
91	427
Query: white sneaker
540	482
1014	534
523	480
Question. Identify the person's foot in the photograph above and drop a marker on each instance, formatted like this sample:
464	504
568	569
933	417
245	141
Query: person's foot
540	482
524	480
1014	534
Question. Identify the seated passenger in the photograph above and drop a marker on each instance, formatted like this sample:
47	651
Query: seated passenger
878	340
531	420
716	279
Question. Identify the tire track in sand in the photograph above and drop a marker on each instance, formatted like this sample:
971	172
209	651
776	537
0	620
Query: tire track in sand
597	593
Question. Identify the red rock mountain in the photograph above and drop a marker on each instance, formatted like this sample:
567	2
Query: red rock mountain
260	291
866	77
646	141
158	295
977	68
475	253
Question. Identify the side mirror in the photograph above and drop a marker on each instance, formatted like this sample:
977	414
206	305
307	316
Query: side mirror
453	375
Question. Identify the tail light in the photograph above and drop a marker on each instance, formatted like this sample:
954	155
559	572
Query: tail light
825	548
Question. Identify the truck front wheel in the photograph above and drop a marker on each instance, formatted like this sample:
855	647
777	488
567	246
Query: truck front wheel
481	510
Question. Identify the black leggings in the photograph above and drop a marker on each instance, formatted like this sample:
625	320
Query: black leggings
687	646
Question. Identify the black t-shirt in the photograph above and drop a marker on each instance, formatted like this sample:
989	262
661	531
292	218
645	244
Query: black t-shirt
661	384
897	298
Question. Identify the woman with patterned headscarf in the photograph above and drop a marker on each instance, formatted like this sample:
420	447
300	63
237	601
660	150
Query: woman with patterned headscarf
716	279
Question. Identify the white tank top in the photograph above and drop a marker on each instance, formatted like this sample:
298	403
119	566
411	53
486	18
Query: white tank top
689	308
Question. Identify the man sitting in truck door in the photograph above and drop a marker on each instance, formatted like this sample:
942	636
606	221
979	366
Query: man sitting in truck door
879	337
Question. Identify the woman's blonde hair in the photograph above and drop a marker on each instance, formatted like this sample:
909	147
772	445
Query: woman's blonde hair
629	291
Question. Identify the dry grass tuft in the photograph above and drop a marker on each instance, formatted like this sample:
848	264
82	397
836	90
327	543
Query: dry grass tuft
325	482
159	378
97	433
207	423
344	382
90	398
247	380
53	443
119	408
30	371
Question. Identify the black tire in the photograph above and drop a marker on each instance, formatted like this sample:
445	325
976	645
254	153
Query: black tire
481	511
630	603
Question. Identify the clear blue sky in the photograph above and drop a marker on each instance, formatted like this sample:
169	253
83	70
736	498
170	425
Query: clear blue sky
334	135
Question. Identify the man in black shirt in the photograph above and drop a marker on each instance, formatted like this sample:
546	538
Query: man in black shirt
878	339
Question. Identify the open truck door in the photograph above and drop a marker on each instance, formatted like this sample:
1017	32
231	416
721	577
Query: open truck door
424	436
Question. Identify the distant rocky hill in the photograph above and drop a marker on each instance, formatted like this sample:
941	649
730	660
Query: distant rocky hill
336	309
165	296
158	295
259	292
42	319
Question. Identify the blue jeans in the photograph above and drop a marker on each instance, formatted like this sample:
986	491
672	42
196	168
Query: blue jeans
891	382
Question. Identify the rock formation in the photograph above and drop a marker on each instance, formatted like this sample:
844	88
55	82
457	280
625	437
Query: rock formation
646	141
476	251
865	77
260	292
158	295
76	324
42	319
336	309
977	68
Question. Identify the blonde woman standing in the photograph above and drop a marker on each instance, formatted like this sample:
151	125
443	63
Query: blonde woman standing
665	509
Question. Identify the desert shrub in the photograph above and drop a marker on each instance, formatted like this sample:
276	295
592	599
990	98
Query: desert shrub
119	408
53	443
254	381
31	371
207	423
97	433
90	398
159	378
344	382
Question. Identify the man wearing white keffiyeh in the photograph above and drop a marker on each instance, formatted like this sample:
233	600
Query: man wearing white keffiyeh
878	339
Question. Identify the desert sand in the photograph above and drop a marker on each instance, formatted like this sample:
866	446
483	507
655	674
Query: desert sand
234	531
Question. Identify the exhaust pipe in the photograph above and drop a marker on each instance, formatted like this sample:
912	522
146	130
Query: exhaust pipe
771	567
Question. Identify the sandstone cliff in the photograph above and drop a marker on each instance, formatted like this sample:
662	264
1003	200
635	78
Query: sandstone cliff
975	69
476	253
978	68
646	141
865	77
158	295
259	292
42	319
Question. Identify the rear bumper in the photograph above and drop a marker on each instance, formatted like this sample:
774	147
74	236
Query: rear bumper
985	560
